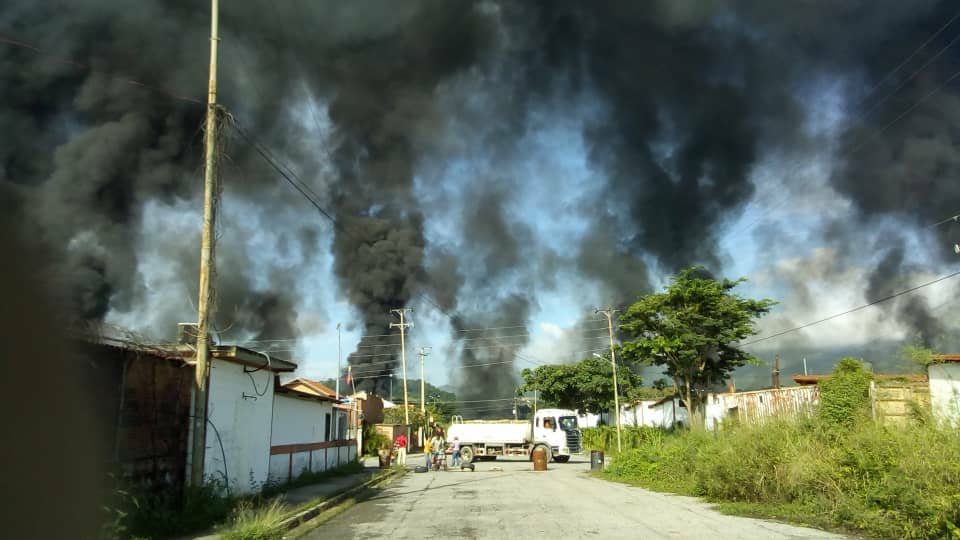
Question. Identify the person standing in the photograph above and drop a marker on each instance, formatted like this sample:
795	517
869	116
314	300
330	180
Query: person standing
402	450
428	451
455	454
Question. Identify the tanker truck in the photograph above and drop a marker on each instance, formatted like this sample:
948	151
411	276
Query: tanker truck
555	430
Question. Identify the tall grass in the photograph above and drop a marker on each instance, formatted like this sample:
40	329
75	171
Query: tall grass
605	437
256	523
835	470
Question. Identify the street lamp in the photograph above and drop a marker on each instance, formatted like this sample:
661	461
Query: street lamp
616	393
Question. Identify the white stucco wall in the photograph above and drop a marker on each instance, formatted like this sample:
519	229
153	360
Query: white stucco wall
240	406
299	421
945	392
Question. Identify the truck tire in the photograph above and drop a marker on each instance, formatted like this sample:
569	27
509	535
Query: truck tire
561	459
466	454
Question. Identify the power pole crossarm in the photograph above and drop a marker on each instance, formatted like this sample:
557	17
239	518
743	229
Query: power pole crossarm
204	308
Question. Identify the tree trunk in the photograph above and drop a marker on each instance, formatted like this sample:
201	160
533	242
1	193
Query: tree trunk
690	407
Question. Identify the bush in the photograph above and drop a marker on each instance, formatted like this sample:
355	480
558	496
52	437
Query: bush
373	441
159	513
845	396
882	482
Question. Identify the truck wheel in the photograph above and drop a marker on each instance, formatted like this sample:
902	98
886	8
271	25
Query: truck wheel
561	459
466	455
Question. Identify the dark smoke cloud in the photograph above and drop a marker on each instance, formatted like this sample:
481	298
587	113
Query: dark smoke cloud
890	276
690	97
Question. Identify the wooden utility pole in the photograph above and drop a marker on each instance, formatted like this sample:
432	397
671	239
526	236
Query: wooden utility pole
424	351
204	308
403	359
613	361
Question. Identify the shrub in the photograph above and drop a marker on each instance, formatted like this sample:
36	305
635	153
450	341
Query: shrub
882	482
158	513
845	396
373	441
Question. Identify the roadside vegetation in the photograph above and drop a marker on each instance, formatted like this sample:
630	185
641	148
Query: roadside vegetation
834	468
141	514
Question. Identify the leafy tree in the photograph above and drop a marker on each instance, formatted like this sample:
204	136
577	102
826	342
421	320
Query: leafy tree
661	384
692	329
586	385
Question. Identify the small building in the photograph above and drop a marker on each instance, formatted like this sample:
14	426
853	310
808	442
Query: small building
240	417
303	435
944	376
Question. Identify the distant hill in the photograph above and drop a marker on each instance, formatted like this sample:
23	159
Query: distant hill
882	357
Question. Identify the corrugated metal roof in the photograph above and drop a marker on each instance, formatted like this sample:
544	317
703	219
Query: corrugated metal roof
954	357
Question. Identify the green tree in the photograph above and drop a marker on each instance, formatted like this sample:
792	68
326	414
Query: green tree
692	329
586	385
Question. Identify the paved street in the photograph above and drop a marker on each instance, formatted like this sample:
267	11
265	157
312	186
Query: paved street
506	499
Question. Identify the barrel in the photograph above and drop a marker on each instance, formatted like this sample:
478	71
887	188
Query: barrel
385	455
539	458
596	460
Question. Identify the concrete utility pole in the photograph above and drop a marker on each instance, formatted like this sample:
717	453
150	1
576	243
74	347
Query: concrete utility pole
613	361
403	359
776	372
336	414
424	351
204	309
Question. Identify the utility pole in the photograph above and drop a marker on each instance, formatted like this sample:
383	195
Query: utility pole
204	309
403	359
776	371
424	351
613	361
336	415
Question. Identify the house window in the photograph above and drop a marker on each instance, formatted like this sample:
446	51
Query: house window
326	427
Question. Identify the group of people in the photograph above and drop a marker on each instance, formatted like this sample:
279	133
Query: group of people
435	449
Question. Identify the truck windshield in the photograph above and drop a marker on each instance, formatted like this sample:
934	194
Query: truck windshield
568	422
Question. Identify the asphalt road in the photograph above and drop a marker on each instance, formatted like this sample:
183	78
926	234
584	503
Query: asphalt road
506	499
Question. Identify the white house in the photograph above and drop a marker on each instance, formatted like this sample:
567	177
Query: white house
665	413
944	379
304	436
240	404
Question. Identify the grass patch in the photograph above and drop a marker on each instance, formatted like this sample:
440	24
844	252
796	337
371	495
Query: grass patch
249	522
163	513
834	470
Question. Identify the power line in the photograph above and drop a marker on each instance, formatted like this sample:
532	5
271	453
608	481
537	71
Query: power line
955	217
908	58
858	308
122	78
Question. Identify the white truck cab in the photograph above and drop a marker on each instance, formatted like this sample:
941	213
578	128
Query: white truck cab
558	429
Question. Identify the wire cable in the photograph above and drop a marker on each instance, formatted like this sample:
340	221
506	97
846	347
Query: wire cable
852	310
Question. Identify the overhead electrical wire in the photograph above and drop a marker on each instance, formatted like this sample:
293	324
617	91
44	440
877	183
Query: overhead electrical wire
852	310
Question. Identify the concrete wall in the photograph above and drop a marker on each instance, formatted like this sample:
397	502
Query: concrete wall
299	439
290	461
240	407
298	420
893	402
945	392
